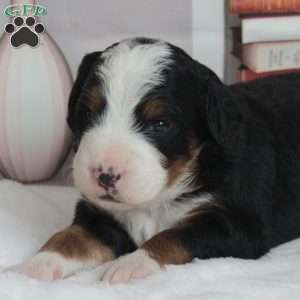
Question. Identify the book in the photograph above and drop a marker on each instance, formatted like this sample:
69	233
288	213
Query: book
245	74
266	57
270	28
264	6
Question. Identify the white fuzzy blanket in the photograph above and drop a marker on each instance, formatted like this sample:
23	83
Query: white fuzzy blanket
30	214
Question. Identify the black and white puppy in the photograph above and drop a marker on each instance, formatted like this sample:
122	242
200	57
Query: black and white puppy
173	165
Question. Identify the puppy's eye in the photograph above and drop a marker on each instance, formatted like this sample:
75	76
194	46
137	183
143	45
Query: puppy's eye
157	126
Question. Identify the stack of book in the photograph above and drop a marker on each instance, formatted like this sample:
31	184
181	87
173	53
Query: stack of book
268	40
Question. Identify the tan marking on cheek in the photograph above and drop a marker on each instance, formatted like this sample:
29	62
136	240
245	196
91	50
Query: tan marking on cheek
182	164
76	243
176	169
165	248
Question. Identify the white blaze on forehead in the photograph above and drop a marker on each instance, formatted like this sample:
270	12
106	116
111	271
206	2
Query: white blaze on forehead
129	72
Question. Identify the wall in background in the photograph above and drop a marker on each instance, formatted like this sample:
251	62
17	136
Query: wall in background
209	44
80	26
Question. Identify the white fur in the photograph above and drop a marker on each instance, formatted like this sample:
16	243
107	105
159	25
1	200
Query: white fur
129	73
136	265
144	223
131	156
50	266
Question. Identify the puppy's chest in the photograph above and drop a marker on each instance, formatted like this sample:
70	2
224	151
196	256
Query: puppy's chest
142	224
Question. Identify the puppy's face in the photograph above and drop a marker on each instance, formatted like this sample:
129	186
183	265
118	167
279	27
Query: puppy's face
134	111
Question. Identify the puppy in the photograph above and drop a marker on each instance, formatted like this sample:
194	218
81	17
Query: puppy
174	165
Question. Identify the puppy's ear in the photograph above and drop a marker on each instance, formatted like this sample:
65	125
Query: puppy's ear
224	114
84	72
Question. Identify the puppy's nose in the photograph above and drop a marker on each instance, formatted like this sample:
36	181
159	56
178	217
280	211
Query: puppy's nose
106	180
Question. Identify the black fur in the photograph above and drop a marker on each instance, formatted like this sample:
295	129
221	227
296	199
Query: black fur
250	161
78	112
251	164
103	227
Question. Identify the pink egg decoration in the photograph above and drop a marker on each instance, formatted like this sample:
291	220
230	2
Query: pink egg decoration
34	87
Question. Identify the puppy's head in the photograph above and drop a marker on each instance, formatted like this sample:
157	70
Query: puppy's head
139	114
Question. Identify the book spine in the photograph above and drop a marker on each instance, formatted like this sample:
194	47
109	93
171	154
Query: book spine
269	57
245	74
269	29
264	6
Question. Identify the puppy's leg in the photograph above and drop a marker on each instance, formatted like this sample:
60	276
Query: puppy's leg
213	231
65	253
93	238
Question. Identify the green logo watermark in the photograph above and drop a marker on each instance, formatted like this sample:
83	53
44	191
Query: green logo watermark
24	28
24	10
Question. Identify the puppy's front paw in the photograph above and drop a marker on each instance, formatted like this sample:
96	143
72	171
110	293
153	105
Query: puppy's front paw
136	265
44	266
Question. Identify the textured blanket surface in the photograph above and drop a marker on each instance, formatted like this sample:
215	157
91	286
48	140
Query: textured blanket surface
30	214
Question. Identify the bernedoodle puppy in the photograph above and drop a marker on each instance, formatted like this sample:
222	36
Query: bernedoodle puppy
174	165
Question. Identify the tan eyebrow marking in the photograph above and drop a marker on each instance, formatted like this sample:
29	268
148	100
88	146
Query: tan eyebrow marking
153	109
92	99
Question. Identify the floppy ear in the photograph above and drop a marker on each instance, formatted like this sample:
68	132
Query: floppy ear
225	116
84	71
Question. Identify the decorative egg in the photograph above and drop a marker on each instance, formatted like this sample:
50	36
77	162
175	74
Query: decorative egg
34	87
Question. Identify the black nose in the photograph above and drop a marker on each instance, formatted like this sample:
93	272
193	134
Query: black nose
106	180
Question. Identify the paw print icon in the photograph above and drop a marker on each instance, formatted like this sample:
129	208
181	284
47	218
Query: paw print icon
24	31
